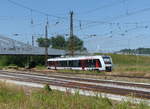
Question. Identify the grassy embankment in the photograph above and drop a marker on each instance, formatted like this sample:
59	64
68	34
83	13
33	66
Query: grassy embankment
122	63
13	97
140	65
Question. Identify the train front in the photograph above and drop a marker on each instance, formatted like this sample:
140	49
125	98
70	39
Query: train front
108	63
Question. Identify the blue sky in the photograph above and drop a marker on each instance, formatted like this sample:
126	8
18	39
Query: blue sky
104	25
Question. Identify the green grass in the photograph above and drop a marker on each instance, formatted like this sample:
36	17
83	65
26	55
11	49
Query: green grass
122	63
80	71
119	59
12	97
130	60
130	63
40	67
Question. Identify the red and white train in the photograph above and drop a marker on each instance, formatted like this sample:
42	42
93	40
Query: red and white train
99	62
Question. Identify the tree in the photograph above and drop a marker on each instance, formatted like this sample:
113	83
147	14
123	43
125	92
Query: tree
75	43
43	42
58	42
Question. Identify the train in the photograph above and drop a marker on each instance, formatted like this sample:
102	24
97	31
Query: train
98	62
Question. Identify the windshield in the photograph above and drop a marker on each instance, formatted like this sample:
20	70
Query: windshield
107	60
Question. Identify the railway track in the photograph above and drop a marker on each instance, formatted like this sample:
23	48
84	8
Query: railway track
94	74
139	90
143	85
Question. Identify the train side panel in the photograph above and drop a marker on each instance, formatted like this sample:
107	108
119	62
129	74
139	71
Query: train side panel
87	63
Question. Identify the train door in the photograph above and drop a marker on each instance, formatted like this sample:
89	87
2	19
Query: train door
52	64
82	64
97	63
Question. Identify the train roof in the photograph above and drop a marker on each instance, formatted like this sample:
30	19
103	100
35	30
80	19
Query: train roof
78	57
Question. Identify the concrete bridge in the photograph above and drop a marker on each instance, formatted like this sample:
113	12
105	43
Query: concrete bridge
10	46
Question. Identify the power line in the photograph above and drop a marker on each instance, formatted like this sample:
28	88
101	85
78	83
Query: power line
34	10
111	33
102	7
97	23
47	14
37	11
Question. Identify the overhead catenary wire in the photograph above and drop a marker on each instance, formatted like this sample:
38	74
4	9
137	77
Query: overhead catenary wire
97	23
111	33
40	12
81	22
102	7
35	10
47	14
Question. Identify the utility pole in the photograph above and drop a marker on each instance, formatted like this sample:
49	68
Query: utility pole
71	45
32	40
32	28
46	38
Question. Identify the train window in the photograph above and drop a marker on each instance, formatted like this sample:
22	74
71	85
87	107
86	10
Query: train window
50	63
57	63
107	60
70	63
93	63
82	63
86	63
90	63
63	63
67	63
97	63
75	63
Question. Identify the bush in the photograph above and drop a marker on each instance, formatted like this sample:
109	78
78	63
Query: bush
47	88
